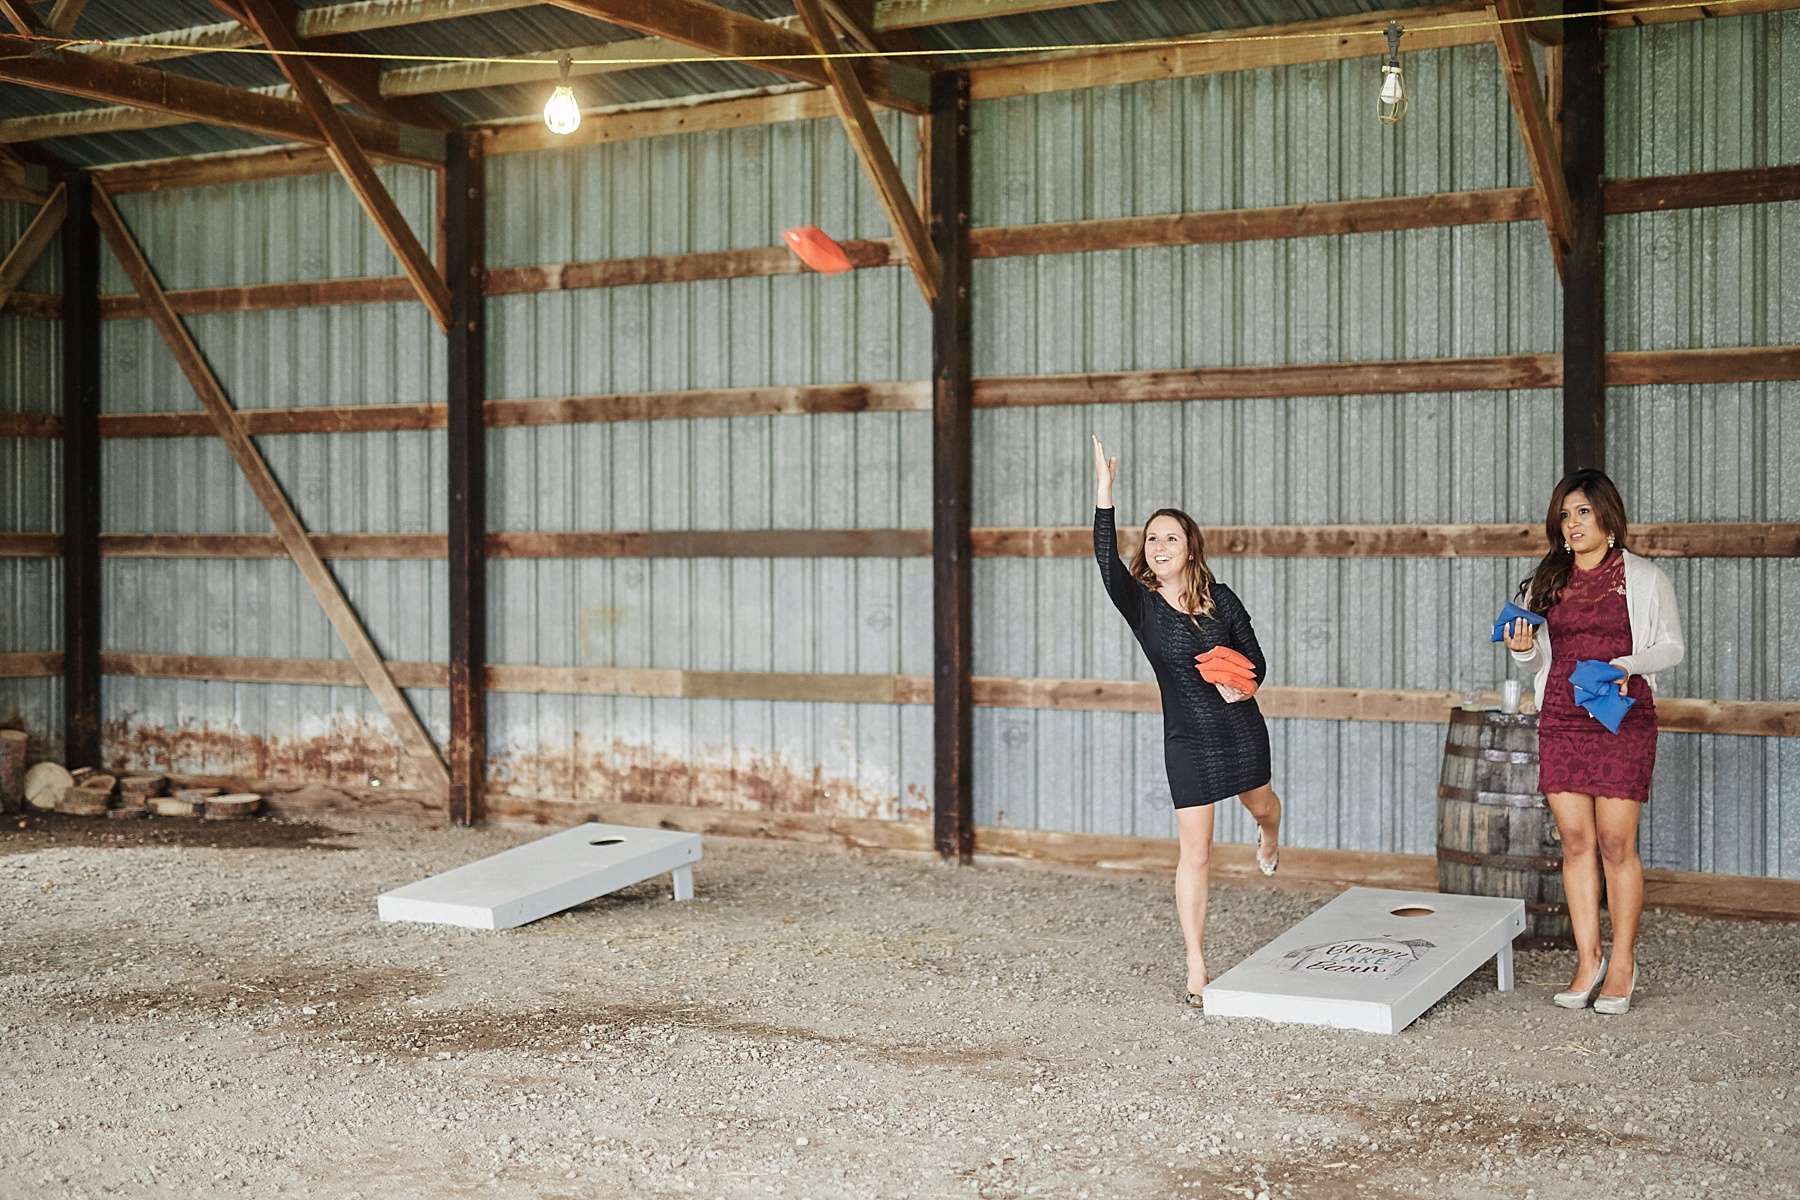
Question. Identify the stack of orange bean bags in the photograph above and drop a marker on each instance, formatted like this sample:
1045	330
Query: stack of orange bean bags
1226	668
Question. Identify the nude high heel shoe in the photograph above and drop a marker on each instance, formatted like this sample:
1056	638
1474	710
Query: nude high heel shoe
1614	1006
1585	997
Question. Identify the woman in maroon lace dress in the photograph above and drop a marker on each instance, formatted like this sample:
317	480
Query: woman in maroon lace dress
1601	602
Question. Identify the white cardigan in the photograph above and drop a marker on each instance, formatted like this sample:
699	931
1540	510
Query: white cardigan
1656	642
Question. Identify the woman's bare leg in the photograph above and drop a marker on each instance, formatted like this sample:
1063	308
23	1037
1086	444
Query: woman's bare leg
1574	814
1616	825
1265	807
1195	825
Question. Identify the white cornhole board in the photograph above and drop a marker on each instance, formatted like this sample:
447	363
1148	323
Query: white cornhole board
546	876
1355	964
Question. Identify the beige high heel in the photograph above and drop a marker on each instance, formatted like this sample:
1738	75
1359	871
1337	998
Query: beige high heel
1615	1006
1584	997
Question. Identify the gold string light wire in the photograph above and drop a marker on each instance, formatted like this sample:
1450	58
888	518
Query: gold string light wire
1222	38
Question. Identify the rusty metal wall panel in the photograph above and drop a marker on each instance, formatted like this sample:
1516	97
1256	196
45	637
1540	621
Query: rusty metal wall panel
1701	96
734	189
1287	136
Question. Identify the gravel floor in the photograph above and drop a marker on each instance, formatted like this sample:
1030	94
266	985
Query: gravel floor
198	1010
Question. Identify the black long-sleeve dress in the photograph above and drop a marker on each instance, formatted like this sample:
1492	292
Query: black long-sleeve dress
1212	749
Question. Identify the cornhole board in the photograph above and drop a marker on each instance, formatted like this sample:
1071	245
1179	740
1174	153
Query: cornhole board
546	876
1372	959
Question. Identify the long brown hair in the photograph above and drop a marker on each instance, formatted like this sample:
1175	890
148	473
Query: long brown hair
1196	586
1544	586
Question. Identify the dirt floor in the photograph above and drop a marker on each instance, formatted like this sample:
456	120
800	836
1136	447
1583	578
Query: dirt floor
203	1009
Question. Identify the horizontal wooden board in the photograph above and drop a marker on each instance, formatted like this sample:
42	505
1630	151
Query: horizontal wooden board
1765	718
777	106
30	424
1258	224
1703	189
1697	540
261	297
30	664
1732	364
1489	373
213	170
678	268
33	304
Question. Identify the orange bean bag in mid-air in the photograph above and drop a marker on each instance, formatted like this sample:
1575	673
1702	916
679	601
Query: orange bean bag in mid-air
816	249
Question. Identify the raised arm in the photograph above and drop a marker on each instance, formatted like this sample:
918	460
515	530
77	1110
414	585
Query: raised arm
1126	593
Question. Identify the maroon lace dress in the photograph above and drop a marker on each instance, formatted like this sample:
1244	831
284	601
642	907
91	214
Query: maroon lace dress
1576	753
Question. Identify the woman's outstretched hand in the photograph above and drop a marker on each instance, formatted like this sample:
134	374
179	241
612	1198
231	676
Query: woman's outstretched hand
1105	470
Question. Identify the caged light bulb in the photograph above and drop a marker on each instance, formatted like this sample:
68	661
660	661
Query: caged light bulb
1390	106
562	114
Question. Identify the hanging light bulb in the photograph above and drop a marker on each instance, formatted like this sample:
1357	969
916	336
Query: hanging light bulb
1392	104
562	114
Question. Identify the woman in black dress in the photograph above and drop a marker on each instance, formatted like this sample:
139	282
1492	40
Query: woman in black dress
1213	747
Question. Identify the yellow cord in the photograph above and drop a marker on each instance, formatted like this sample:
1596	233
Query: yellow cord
1215	39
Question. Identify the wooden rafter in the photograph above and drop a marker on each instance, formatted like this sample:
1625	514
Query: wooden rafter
198	100
32	242
369	664
1533	116
19	15
64	15
352	162
872	150
730	34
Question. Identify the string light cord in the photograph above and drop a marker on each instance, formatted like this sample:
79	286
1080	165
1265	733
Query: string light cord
1215	39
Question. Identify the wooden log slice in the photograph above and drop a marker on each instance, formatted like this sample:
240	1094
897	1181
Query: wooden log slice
173	806
45	784
85	802
143	785
98	783
12	769
234	807
196	795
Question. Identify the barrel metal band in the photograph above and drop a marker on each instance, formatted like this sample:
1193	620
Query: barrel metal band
1500	862
1515	799
1520	757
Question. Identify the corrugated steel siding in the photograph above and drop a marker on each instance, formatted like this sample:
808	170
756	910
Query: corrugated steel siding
732	189
1714	95
273	231
1288	136
31	495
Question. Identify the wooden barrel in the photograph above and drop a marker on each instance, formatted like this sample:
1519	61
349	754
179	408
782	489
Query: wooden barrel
1496	836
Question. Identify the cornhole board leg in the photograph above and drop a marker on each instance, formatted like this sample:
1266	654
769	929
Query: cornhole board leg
1371	959
546	876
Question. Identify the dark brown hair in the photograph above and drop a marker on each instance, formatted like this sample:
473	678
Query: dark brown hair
1196	588
1544	586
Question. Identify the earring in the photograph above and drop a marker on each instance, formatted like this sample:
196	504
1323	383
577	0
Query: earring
1609	541
1568	549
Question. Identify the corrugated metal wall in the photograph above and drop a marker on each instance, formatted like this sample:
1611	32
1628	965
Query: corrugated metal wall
1285	136
710	191
276	231
1714	95
31	496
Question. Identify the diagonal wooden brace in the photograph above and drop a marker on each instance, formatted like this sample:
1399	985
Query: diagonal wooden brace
1533	115
31	243
367	659
352	162
872	149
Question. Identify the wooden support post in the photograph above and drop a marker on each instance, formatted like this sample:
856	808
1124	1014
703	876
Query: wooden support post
294	539
31	244
81	477
465	192
953	810
352	161
1584	274
872	149
1533	116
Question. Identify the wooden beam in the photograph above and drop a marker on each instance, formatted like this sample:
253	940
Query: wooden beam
465	191
31	244
351	161
1675	714
1633	13
81	475
1532	118
31	424
44	664
200	101
872	150
735	35
911	14
1704	189
369	666
1582	161
19	15
64	14
952	471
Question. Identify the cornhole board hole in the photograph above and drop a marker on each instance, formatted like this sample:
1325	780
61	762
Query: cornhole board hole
546	876
1372	959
